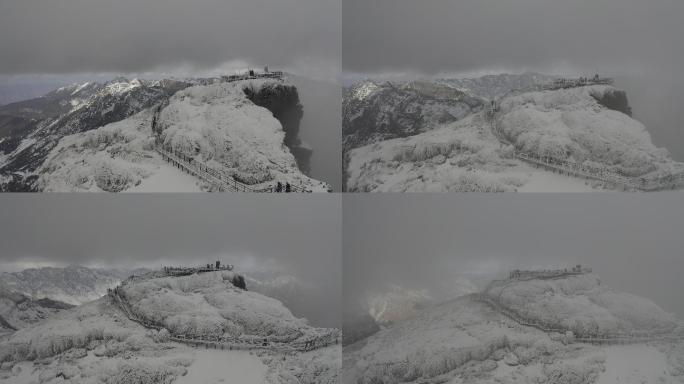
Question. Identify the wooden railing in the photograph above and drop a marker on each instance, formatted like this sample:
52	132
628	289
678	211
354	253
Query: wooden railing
218	179
635	336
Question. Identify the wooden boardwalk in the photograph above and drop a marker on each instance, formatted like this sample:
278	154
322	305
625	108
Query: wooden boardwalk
614	338
216	178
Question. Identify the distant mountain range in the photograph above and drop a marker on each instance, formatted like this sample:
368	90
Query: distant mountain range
74	285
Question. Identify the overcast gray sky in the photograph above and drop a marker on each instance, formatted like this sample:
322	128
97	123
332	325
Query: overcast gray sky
640	42
135	36
300	235
633	242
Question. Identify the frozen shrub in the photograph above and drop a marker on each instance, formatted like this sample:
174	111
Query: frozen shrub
144	374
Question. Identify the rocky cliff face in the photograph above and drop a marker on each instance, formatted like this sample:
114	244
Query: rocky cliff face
283	101
616	100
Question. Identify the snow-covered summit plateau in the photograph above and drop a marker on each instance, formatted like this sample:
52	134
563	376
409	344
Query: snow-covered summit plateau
159	326
499	133
555	327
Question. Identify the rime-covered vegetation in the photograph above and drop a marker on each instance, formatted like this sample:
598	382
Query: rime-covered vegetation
475	150
98	342
467	340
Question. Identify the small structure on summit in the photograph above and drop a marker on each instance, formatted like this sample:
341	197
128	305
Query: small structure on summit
182	271
251	74
563	83
548	273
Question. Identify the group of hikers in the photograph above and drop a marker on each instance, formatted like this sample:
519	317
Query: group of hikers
280	187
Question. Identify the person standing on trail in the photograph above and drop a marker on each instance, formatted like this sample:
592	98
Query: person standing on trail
288	188
279	187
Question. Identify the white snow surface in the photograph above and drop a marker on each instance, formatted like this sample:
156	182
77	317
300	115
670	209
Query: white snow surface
635	364
167	178
466	156
227	367
215	124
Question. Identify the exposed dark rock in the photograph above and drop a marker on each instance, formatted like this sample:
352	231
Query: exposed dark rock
615	100
358	328
239	281
283	101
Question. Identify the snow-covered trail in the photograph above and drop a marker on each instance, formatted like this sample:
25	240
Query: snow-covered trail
225	367
166	179
635	364
544	182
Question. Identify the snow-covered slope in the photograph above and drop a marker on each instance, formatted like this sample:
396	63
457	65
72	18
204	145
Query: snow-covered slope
581	304
32	128
589	126
214	124
209	304
396	303
74	284
17	310
467	340
575	125
497	86
98	342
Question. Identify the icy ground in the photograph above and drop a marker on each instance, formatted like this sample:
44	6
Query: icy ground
214	124
635	364
224	367
167	178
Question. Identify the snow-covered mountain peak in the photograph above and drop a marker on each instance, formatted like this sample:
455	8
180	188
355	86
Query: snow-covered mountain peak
579	302
122	85
101	137
364	89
